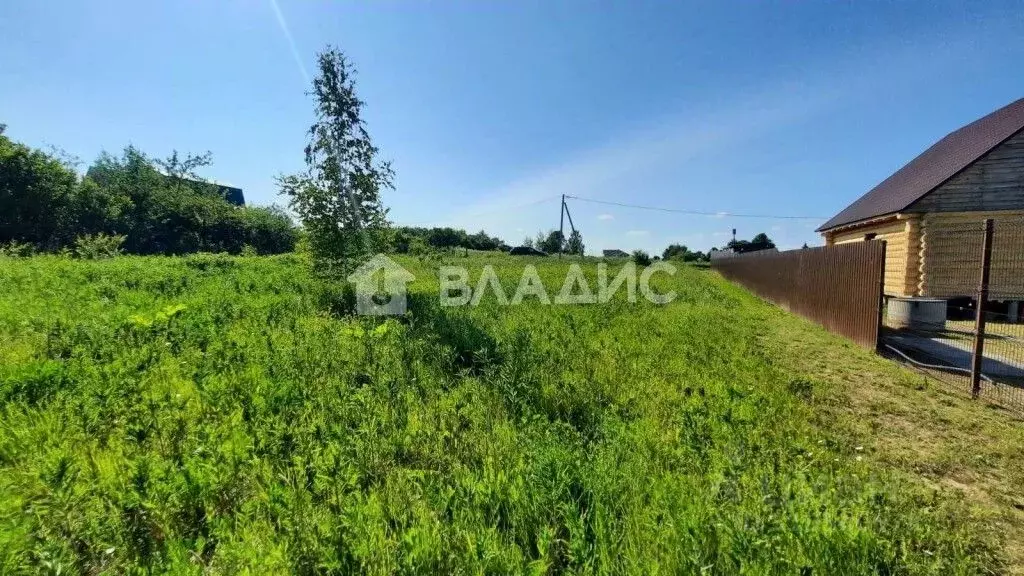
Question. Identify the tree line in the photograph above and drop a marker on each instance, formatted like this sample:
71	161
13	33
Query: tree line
760	241
555	242
148	206
416	240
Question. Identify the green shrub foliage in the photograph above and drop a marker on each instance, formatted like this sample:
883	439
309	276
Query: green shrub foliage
43	203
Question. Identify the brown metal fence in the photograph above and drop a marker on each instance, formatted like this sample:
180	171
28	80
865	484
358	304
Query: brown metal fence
964	264
839	287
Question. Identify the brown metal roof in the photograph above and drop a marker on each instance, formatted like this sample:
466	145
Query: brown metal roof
934	166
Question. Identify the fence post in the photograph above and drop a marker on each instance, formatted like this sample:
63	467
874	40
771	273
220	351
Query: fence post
979	321
881	297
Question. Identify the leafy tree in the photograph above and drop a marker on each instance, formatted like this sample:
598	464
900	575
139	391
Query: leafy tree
43	203
759	242
575	243
540	240
179	170
675	251
444	238
99	209
552	243
36	196
641	258
528	242
400	240
337	197
481	241
680	252
268	230
762	239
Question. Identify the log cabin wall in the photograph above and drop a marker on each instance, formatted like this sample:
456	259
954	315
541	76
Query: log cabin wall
899	261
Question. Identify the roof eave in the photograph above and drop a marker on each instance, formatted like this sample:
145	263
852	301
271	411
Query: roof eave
860	223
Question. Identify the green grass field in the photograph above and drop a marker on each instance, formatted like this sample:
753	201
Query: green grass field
218	414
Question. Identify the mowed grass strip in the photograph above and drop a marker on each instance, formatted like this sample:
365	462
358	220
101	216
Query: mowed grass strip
219	414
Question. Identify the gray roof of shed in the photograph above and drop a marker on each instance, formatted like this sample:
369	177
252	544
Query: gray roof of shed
934	166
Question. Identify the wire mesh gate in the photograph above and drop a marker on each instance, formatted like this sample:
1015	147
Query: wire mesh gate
976	269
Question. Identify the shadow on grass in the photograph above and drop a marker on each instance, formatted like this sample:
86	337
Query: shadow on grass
470	347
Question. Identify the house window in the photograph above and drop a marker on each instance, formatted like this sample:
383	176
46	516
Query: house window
870	236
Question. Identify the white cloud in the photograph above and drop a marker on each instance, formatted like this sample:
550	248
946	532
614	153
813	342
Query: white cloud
638	233
721	214
605	217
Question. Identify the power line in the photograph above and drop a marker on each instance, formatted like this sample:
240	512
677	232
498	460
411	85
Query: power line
498	210
695	212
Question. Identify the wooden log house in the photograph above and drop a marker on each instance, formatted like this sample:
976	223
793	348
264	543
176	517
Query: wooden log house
930	213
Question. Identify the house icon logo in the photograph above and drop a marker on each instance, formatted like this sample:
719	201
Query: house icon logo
380	287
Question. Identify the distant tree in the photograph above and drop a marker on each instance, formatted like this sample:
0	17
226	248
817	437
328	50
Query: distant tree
446	238
337	197
677	251
443	238
481	241
805	245
680	252
400	241
641	258
553	243
575	243
762	239
528	242
759	242
45	204
179	169
540	240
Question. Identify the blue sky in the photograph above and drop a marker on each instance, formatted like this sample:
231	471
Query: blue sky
490	111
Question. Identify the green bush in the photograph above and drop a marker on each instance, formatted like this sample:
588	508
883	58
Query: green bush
44	204
36	197
641	258
16	249
98	246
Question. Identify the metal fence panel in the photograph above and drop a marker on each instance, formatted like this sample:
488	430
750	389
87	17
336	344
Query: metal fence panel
988	363
839	287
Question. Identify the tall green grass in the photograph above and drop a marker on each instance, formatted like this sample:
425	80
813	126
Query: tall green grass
220	414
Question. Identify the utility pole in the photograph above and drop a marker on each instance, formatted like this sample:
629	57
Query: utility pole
561	225
571	225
